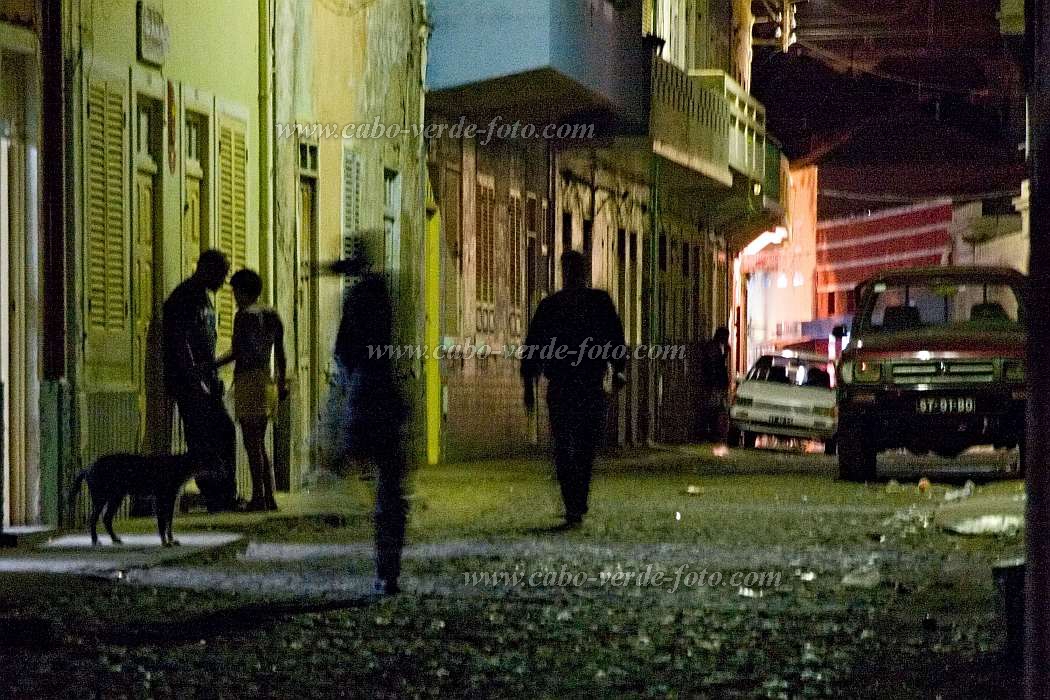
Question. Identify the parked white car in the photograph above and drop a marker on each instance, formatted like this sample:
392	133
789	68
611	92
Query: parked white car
789	395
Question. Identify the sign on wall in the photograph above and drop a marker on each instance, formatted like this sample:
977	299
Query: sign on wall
153	34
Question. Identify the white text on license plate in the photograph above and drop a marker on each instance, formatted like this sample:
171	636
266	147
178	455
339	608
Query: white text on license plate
947	404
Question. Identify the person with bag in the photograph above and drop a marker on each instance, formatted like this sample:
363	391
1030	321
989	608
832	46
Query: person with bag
376	409
258	335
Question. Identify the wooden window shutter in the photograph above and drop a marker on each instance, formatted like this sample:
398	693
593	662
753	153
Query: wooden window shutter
107	318
233	214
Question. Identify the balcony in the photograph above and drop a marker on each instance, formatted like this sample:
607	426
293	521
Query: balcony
689	125
747	124
536	59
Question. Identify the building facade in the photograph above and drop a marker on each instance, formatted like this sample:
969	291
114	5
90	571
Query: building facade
658	170
168	140
338	67
28	369
778	294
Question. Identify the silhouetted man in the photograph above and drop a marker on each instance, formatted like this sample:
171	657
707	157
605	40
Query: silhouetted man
573	338
376	409
714	393
193	381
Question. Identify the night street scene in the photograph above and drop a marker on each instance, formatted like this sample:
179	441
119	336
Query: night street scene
525	348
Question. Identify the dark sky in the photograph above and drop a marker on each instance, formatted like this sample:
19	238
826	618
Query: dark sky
897	100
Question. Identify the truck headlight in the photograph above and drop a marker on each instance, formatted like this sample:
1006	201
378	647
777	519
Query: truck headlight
1013	371
860	372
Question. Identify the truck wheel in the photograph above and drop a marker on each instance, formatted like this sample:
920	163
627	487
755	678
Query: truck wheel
747	439
856	454
830	446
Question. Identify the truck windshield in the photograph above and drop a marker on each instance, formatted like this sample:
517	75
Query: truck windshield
942	305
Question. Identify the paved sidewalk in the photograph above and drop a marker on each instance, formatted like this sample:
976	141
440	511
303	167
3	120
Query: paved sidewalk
74	554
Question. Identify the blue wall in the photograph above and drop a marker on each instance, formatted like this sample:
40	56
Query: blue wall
475	40
587	40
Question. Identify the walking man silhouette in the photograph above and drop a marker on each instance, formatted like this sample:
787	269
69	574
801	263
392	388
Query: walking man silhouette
574	337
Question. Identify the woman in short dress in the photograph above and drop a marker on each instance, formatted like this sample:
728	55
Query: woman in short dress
257	334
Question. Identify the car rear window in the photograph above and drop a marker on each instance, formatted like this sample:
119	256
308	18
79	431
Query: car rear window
943	304
796	371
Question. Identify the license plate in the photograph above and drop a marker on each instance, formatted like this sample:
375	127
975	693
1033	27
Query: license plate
781	420
937	405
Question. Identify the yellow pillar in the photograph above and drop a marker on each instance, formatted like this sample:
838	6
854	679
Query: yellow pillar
432	328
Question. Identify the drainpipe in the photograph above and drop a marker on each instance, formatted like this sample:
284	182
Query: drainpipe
654	293
266	172
552	195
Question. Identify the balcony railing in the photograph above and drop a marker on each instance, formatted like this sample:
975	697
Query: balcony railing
691	124
747	127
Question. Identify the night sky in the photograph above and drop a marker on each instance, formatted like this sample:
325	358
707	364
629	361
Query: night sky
897	100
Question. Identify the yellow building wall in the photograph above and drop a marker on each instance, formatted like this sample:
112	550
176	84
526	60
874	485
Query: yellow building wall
213	47
211	66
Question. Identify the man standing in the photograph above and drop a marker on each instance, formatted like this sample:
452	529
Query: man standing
714	397
376	409
192	379
573	338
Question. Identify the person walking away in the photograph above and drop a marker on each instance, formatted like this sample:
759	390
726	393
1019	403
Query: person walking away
258	335
376	409
714	393
189	336
573	339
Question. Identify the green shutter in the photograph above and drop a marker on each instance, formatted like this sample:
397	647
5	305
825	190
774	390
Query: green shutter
233	214
108	328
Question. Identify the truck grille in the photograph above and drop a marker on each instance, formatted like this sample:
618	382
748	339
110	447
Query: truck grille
943	372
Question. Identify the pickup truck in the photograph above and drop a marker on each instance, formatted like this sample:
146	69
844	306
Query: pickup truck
934	363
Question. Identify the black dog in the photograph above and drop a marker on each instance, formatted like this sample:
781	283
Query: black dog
113	477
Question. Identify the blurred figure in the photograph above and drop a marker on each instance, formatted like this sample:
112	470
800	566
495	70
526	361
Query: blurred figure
714	392
191	379
258	334
574	337
376	411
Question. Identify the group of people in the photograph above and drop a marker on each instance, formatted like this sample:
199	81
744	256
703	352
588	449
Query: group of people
191	377
375	407
577	392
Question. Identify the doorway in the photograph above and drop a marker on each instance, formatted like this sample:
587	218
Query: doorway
307	325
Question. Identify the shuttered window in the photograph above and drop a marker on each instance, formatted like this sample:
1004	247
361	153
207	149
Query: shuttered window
108	356
233	212
485	255
516	276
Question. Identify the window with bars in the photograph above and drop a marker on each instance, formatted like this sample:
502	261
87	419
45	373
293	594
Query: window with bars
392	221
485	255
516	241
351	204
451	207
